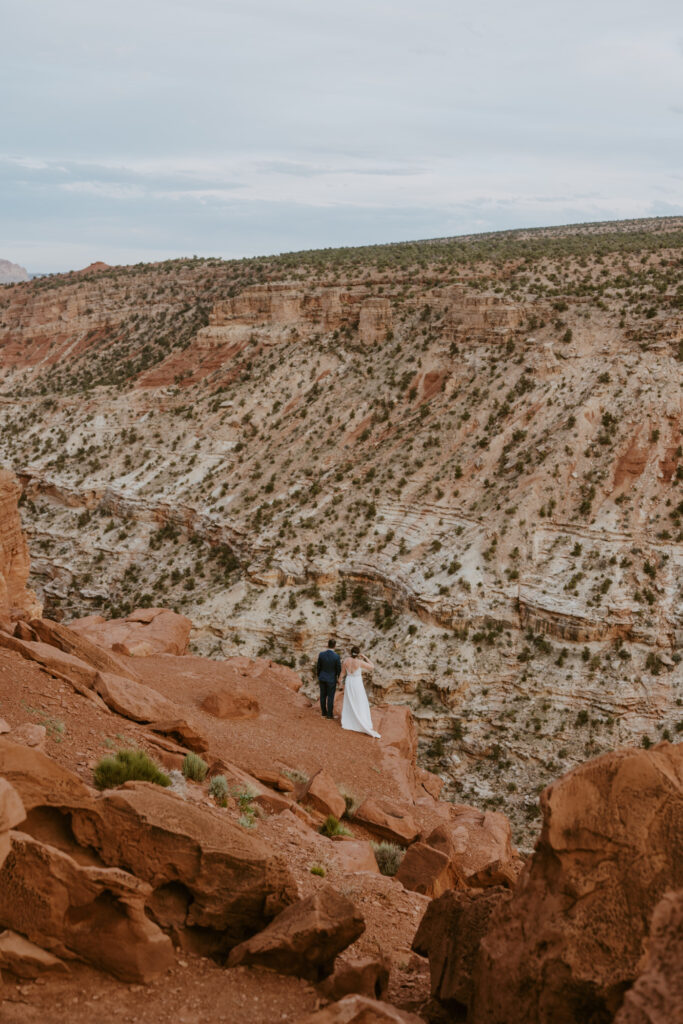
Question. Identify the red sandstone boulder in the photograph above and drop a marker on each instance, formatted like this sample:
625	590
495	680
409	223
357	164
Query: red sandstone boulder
275	780
479	845
657	995
571	938
24	959
431	784
305	938
144	632
30	734
96	913
67	640
187	734
356	856
365	976
204	870
38	780
449	934
361	1010
388	821
322	793
230	705
428	871
133	700
11	813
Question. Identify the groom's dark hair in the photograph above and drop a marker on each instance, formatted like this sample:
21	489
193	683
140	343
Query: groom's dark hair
332	643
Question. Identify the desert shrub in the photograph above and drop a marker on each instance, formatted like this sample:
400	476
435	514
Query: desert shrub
318	869
218	789
125	766
388	857
195	767
245	802
333	827
295	776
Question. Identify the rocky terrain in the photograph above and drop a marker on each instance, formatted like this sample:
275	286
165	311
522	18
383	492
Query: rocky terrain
464	455
187	838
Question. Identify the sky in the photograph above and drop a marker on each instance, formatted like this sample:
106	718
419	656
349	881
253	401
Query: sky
140	130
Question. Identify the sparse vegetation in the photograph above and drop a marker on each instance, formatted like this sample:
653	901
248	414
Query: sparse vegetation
218	789
333	827
125	766
194	767
388	857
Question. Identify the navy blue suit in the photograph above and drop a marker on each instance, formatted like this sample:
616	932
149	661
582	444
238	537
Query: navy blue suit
329	670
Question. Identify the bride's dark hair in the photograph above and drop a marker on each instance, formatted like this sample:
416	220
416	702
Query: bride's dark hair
355	651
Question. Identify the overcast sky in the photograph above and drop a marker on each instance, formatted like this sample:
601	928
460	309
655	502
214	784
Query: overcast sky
145	129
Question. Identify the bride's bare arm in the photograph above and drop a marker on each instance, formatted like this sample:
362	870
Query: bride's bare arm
364	661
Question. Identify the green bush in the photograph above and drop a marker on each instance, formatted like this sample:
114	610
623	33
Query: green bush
333	827
388	857
194	767
318	869
218	789
245	802
127	765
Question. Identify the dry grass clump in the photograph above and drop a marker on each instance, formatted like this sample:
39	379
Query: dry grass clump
125	766
218	789
195	767
388	857
333	827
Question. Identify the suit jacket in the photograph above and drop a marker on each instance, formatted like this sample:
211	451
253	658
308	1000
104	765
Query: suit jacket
329	666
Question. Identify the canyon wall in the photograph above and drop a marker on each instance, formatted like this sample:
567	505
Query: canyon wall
15	600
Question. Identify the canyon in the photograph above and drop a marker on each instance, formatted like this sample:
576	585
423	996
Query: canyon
463	455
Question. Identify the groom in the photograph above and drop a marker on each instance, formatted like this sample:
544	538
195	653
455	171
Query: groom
329	670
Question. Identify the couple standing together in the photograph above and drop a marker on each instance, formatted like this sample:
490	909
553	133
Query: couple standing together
355	709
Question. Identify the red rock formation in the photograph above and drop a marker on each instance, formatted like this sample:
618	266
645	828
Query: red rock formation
305	938
323	795
570	940
387	821
429	871
205	871
24	959
449	934
134	700
657	995
479	846
96	913
16	602
144	632
11	814
70	642
230	705
368	976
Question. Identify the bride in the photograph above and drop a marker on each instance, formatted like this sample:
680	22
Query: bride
356	710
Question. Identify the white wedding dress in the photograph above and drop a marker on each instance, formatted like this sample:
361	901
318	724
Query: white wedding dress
355	709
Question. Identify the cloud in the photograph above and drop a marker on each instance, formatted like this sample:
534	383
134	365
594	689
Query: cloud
255	125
